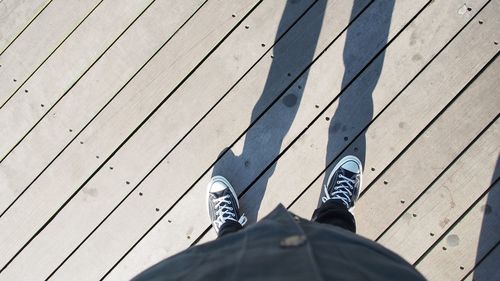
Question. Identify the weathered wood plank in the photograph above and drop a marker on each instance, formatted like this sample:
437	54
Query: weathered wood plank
487	269
397	64
15	16
253	82
65	67
38	41
446	200
119	64
470	240
153	87
392	134
177	60
118	126
168	238
181	235
92	92
425	160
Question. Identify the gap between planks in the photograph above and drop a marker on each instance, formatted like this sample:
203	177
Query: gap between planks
154	69
192	202
268	59
15	17
49	31
65	68
233	20
467	242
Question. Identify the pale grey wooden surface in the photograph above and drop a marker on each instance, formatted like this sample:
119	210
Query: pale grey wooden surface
15	16
442	204
38	41
428	156
386	140
104	80
126	186
328	65
91	94
60	180
224	131
79	52
382	135
46	87
152	247
466	242
161	196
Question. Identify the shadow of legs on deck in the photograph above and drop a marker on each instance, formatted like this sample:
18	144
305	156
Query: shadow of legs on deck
355	110
490	219
263	142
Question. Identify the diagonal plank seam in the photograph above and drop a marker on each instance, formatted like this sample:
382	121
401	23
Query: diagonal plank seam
218	41
465	81
320	113
479	262
173	91
204	167
173	148
77	80
57	47
450	35
373	120
459	219
24	28
439	176
95	116
453	161
76	136
239	137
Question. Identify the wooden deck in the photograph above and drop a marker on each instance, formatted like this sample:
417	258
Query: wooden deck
115	113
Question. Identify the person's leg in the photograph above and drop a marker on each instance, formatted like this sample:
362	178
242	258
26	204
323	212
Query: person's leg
229	227
335	213
340	193
223	207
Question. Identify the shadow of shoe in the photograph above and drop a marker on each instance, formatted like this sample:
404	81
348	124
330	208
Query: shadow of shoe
228	166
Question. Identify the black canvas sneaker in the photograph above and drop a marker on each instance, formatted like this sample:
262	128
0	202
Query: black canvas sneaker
223	203
344	182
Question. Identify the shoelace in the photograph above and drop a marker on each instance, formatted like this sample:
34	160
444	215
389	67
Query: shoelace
341	191
223	207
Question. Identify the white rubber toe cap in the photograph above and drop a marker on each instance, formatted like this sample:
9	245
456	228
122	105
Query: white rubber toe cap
352	166
217	186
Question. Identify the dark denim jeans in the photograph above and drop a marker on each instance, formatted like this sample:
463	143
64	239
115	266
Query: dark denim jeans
229	227
331	212
335	213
